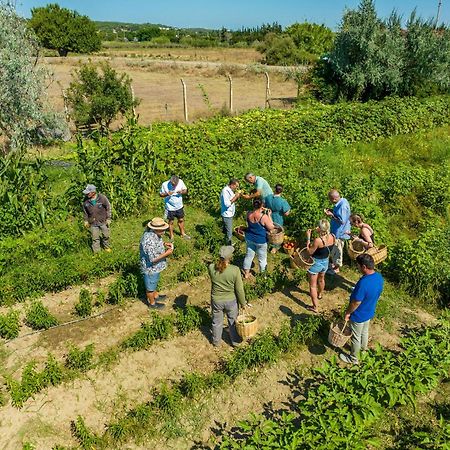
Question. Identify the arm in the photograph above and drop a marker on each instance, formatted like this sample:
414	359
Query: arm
367	240
162	256
312	247
85	214
267	221
108	208
343	216
353	306
239	289
250	196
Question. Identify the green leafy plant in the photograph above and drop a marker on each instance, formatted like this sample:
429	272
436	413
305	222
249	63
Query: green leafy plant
38	317
9	325
84	306
80	360
191	269
85	437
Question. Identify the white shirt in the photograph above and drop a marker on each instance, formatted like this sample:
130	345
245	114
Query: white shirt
173	202
227	208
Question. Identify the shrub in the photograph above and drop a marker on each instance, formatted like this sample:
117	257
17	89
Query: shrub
38	317
191	270
80	360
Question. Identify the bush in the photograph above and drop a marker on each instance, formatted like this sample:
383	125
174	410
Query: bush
9	325
98	94
38	317
80	360
84	306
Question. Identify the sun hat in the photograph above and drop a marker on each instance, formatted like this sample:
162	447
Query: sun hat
157	224
226	251
89	189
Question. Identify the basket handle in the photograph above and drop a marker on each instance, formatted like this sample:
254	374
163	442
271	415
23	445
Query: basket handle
343	328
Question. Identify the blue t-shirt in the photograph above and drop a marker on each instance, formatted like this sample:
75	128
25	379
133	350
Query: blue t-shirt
279	207
341	223
367	291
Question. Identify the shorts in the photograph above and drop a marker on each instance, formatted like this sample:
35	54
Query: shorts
319	266
178	214
151	281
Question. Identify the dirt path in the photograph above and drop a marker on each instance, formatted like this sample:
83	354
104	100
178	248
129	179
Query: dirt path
103	394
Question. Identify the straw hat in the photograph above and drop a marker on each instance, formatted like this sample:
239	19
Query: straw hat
158	224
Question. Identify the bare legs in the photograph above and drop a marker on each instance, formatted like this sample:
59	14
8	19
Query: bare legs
180	225
316	287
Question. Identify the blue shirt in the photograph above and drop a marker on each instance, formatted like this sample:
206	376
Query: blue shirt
263	187
341	223
151	246
367	291
279	207
173	202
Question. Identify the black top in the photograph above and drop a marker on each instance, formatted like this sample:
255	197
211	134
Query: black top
323	252
372	236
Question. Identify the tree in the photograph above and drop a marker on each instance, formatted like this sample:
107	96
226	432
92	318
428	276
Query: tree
64	30
279	49
98	94
148	33
25	115
311	39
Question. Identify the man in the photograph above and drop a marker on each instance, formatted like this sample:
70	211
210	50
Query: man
263	189
280	208
228	198
340	227
97	217
153	252
172	192
361	309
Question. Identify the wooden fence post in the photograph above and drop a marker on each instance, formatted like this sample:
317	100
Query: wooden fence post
185	108
267	104
230	80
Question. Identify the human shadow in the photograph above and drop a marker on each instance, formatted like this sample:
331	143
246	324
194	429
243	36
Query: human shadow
288	292
338	281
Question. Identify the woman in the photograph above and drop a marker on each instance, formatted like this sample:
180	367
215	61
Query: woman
153	252
366	235
320	250
227	290
259	222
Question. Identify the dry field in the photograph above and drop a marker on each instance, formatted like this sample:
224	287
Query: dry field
156	81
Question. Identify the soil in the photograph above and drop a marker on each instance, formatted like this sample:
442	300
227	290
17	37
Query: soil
103	394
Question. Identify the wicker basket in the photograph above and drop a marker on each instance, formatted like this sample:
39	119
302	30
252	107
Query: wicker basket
239	233
338	336
289	251
301	259
246	325
355	248
379	254
276	236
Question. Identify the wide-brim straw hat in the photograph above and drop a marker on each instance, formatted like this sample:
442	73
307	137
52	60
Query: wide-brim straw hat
158	224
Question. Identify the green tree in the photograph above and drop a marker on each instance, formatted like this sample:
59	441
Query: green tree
98	94
25	115
279	49
148	33
64	30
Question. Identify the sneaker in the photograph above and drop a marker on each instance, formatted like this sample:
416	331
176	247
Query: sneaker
349	359
157	306
186	236
161	298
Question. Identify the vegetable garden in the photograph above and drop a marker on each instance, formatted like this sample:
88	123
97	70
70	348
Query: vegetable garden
390	159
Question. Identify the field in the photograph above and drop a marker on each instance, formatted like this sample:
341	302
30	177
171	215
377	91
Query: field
84	364
156	77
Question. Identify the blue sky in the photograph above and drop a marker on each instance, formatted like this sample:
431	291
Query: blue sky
232	13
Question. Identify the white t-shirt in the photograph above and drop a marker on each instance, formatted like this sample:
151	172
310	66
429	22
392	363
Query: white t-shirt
227	209
173	202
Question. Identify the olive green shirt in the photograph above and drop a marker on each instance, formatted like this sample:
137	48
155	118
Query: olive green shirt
227	285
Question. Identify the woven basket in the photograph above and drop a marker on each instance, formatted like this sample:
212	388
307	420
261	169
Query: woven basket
239	233
379	254
289	251
276	236
338	336
301	259
246	325
355	248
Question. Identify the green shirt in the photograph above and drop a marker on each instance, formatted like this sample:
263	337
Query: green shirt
227	285
279	207
263	187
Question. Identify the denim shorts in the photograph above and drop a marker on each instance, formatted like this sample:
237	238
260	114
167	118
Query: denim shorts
319	266
151	281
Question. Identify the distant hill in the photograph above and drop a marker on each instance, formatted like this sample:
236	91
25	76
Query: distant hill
109	27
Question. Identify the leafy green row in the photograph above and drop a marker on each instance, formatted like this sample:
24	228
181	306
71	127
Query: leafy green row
170	400
340	404
78	361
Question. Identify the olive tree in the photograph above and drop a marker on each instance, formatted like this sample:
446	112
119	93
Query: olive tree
25	115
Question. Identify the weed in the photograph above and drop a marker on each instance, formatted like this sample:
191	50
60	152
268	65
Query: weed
85	437
80	360
190	318
9	325
191	269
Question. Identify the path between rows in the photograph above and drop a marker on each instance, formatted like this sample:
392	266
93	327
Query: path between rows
101	394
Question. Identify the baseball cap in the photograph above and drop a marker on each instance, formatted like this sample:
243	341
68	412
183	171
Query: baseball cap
89	188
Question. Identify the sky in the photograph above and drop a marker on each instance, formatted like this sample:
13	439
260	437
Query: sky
233	14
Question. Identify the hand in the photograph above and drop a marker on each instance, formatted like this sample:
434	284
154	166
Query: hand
108	222
246	196
328	212
347	317
169	245
308	233
87	225
169	250
170	193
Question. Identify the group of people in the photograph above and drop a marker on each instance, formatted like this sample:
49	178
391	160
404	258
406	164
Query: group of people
268	212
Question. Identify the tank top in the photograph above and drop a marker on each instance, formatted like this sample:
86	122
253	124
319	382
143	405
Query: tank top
372	236
323	252
256	232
